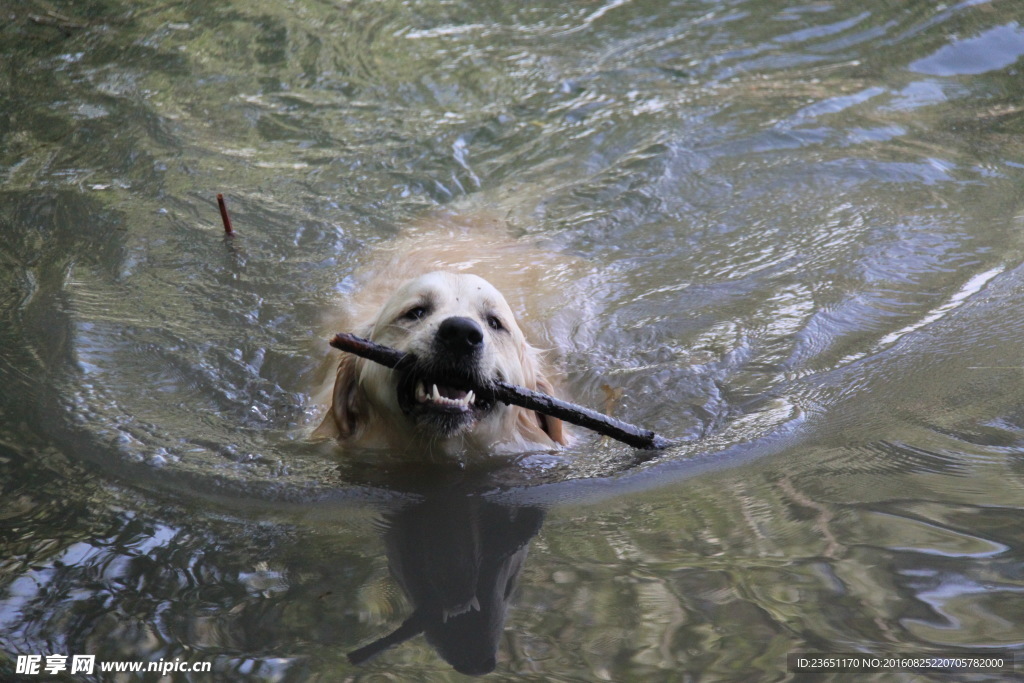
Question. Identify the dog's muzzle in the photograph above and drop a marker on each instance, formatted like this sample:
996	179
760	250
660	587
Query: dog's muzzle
440	391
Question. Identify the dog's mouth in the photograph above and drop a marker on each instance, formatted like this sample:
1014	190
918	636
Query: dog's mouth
445	397
448	405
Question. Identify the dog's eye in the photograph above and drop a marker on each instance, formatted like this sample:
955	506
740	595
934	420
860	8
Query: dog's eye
414	313
494	322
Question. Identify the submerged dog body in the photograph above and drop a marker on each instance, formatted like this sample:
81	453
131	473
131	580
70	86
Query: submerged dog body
463	334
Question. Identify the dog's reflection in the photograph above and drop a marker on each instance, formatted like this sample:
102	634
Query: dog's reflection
457	557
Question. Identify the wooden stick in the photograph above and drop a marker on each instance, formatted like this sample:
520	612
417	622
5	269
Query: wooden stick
516	395
225	218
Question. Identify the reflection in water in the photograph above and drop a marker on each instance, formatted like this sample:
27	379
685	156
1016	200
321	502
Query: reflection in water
791	213
457	557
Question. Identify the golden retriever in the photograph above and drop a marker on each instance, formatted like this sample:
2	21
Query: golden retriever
463	333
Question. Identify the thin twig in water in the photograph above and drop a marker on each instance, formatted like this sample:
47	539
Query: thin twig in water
224	215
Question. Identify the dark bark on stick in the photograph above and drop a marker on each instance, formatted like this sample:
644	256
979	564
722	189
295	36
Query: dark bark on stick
225	218
516	395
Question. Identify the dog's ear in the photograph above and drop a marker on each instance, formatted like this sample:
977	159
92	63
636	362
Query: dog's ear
552	426
342	419
537	380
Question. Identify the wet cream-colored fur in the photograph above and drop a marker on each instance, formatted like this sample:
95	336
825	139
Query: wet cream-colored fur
446	270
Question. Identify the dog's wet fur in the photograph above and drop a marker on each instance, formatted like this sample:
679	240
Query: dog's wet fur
464	335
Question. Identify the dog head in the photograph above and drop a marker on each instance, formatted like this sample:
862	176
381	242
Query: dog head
463	334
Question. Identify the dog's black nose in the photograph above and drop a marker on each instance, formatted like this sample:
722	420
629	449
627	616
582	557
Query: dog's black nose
461	336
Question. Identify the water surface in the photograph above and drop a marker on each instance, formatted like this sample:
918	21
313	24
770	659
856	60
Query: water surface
794	232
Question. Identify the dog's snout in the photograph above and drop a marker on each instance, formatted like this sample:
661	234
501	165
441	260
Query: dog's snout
460	335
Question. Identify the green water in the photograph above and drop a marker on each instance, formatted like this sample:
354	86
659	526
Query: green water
795	237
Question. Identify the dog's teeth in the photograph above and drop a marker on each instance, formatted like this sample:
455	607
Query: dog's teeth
435	396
